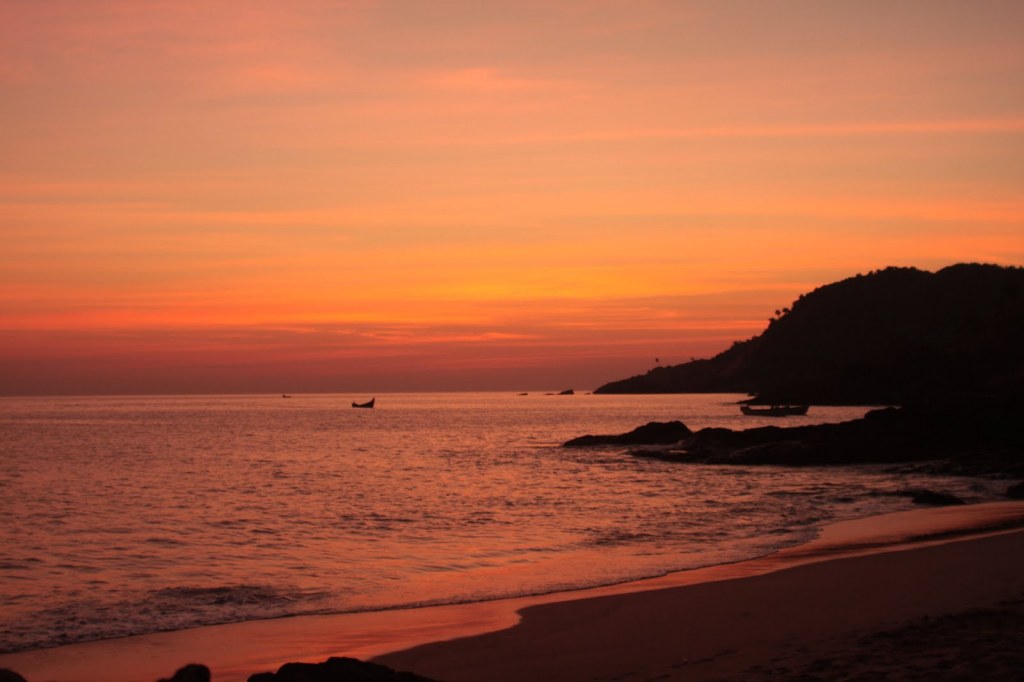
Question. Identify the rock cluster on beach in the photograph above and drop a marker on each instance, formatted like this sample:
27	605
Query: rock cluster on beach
193	672
337	670
331	670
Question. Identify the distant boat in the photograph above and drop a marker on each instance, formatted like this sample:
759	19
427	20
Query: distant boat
285	395
774	410
366	404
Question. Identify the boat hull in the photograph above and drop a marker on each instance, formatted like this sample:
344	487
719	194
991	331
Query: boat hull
775	410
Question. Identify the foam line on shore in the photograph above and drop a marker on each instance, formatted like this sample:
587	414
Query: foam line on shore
235	651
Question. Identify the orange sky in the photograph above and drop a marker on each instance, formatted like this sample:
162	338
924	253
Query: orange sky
365	196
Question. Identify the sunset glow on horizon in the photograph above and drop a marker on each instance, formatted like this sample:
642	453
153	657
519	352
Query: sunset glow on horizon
366	196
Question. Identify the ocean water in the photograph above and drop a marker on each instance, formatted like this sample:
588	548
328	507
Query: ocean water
128	515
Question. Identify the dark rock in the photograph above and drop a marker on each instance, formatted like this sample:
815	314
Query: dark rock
10	676
972	440
652	433
663	455
337	670
300	672
1016	492
193	672
776	452
568	391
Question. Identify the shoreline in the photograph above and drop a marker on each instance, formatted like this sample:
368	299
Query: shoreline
918	587
447	638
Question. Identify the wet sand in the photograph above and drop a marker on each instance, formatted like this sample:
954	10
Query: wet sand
885	584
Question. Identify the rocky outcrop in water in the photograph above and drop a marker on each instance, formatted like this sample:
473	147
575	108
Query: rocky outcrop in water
652	433
976	439
982	439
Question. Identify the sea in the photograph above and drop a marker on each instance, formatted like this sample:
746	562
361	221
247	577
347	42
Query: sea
131	515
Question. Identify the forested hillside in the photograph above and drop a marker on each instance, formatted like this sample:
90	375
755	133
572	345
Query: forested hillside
888	337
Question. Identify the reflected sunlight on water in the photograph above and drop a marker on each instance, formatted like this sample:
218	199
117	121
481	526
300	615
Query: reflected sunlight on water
136	514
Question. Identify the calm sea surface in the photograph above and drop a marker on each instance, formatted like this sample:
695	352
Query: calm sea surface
127	515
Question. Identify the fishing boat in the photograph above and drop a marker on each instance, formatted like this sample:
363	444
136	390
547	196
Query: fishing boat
366	404
774	410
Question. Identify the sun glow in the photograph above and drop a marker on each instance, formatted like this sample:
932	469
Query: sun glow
351	194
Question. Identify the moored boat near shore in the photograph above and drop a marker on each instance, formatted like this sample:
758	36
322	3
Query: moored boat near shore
774	410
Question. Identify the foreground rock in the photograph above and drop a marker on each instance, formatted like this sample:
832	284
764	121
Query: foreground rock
652	433
193	672
337	670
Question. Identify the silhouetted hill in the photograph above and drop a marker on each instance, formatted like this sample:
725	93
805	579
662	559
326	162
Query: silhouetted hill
889	337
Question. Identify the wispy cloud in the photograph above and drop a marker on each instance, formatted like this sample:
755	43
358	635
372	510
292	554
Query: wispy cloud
489	81
809	130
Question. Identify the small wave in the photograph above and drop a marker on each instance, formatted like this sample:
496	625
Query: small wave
619	537
171	608
164	541
228	595
12	566
385	518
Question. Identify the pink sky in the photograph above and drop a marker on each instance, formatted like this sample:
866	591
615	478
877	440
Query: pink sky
368	196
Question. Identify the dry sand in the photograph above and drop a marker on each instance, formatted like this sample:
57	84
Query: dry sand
931	593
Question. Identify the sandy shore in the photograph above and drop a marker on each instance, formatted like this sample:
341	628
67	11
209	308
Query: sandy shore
826	618
882	592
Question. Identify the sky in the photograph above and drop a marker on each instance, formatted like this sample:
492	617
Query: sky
359	196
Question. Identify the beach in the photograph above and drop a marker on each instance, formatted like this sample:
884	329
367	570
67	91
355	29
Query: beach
776	625
890	596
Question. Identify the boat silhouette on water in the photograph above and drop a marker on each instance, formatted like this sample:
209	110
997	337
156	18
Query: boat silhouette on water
366	404
774	410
